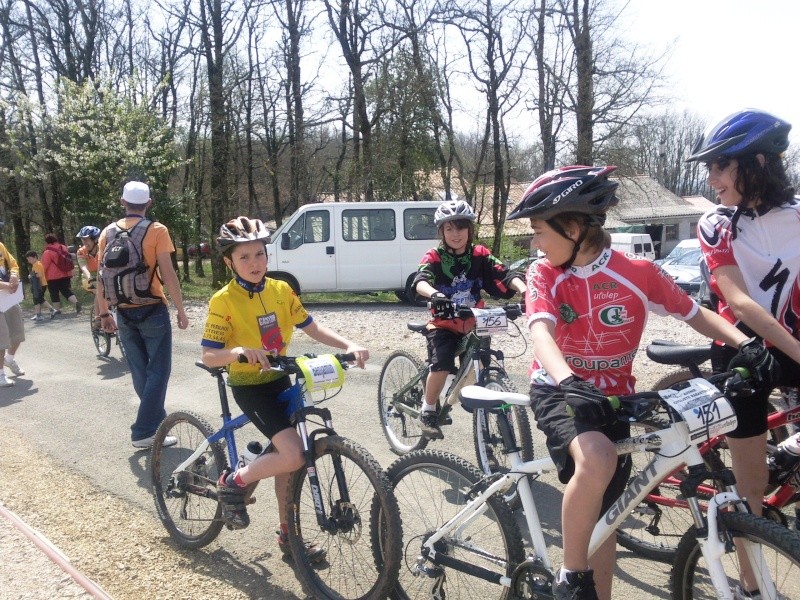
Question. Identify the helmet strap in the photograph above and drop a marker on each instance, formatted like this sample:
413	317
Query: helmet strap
576	244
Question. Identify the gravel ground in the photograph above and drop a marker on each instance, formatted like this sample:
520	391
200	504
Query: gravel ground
112	542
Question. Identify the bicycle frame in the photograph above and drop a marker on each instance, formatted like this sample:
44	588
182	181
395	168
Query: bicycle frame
471	370
676	449
298	419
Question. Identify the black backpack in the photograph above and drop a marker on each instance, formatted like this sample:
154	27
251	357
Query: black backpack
122	269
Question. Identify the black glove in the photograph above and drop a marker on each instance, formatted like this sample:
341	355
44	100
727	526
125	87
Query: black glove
765	371
589	404
441	306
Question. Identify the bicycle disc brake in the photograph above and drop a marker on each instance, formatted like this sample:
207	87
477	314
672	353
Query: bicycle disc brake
531	581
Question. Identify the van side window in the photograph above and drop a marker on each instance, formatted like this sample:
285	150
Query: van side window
368	225
637	248
418	224
312	227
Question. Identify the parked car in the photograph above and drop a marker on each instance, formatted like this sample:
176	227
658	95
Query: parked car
685	270
202	247
522	264
683	247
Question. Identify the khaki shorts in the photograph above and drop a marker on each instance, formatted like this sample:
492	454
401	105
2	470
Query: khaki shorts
12	330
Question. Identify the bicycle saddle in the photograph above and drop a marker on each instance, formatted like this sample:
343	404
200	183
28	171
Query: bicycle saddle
672	353
475	396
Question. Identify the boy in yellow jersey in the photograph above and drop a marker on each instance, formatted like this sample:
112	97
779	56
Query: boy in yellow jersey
254	316
38	285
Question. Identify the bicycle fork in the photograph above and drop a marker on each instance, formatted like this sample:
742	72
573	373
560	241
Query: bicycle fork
338	519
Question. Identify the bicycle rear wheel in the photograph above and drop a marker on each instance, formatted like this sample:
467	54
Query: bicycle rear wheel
351	569
431	487
779	547
401	429
187	501
489	447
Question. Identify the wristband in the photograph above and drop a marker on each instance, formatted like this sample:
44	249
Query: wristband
104	315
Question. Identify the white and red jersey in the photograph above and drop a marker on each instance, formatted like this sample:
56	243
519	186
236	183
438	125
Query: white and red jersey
600	311
767	252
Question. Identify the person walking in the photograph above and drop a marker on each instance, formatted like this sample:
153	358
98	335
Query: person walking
38	285
58	274
12	329
143	323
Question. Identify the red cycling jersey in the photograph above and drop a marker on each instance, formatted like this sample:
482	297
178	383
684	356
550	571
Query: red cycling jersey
600	311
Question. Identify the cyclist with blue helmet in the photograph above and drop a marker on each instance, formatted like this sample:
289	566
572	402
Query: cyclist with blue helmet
755	268
87	256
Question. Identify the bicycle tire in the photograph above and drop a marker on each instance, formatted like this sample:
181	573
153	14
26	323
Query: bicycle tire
193	520
489	447
780	548
101	339
354	570
402	431
431	487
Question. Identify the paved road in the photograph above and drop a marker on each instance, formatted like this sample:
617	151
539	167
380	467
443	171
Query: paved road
78	408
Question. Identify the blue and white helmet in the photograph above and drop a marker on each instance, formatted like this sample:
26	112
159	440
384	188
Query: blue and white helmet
748	131
89	231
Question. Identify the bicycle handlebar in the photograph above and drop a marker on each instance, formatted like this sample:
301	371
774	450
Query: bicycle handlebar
641	404
460	311
289	363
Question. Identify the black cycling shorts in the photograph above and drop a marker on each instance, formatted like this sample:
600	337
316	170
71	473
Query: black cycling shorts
260	404
752	411
442	344
550	410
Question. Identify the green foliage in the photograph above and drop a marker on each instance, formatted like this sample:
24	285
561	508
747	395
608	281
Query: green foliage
102	139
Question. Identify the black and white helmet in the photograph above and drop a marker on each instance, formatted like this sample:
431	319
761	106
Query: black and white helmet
240	230
453	210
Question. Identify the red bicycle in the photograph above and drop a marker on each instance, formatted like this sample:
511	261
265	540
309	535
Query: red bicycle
655	527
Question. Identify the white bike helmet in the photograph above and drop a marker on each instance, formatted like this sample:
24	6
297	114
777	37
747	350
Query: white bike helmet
240	230
453	210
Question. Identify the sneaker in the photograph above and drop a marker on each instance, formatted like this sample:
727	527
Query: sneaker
147	442
36	318
740	594
13	366
578	586
5	382
231	498
53	313
429	424
314	552
78	307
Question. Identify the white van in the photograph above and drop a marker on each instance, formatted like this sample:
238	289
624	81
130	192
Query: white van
636	243
353	246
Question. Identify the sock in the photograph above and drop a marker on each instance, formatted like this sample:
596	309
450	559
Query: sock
234	480
428	407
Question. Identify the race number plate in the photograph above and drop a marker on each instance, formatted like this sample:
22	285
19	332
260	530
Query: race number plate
321	373
490	321
706	411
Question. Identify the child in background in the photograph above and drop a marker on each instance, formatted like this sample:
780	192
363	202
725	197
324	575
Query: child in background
38	285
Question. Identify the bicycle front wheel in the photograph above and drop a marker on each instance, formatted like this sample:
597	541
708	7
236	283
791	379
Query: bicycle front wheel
779	549
353	570
186	501
401	429
102	340
431	487
489	447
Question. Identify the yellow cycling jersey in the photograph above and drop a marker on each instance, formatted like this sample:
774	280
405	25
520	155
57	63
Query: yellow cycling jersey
262	320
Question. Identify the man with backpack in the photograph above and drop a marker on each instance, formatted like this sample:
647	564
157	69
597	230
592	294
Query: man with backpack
135	267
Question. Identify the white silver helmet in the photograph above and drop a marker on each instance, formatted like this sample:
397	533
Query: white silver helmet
453	210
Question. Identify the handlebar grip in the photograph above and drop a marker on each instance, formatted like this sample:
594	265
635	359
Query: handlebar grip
346	358
242	359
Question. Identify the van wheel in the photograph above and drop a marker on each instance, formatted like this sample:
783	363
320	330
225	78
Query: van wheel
402	296
287	279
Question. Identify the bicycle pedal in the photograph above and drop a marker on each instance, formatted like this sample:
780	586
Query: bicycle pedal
448	420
